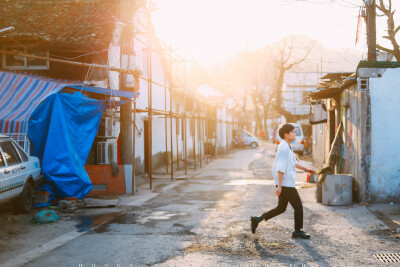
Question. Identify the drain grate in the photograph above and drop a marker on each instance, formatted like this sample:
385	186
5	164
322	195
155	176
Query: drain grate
388	257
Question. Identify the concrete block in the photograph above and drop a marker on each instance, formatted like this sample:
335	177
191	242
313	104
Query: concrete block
337	190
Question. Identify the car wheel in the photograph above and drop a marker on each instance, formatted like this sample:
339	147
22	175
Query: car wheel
253	145
24	202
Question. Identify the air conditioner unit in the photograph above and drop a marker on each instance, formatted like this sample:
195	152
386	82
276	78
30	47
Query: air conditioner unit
107	152
106	128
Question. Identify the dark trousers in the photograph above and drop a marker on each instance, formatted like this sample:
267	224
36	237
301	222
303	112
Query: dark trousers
288	195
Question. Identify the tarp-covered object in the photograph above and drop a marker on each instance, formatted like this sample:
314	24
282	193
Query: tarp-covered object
62	130
20	94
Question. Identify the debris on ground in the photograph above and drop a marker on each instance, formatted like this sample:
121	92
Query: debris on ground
12	231
239	242
100	203
45	216
69	205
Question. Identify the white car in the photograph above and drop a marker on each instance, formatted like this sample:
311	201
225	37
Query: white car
19	174
298	144
249	140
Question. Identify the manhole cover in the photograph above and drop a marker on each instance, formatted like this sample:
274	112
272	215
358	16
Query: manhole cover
388	257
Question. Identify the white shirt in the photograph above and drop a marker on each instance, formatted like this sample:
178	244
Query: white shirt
285	161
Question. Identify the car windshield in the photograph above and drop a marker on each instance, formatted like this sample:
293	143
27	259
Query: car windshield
297	131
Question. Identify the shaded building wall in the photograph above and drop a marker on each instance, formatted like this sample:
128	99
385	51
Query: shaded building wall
318	144
370	138
351	119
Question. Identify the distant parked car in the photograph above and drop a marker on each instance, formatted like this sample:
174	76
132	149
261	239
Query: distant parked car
19	174
249	140
298	144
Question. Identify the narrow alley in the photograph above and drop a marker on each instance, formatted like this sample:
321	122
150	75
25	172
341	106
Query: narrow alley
204	221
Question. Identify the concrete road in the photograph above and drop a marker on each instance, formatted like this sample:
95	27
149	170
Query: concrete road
204	221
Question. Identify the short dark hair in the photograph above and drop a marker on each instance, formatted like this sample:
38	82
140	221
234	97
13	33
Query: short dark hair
286	128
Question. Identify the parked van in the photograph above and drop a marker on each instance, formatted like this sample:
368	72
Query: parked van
19	174
298	144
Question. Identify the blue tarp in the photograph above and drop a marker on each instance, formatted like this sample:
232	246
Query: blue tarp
62	130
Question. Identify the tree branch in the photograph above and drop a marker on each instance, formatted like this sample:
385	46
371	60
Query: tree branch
384	49
290	51
396	30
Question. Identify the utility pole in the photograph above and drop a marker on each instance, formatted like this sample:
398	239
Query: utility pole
184	116
166	120
126	126
170	112
150	100
371	29
136	87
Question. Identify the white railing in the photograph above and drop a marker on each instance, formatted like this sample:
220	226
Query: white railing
21	139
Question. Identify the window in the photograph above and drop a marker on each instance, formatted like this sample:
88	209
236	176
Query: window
14	62
22	154
2	164
10	153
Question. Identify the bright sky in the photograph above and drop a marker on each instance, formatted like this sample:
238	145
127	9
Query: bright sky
210	30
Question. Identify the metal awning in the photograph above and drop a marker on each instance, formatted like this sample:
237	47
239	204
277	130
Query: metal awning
328	92
20	94
336	75
325	93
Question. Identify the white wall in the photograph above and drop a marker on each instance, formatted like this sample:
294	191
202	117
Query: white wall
385	140
140	60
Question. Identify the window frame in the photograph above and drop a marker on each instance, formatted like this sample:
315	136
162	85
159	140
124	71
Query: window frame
3	158
19	151
25	66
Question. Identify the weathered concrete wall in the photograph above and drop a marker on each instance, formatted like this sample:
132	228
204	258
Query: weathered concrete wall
385	145
351	118
318	144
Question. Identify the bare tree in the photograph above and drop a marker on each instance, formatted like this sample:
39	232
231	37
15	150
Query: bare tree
392	29
282	57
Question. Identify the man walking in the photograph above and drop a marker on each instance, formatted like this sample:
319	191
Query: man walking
284	174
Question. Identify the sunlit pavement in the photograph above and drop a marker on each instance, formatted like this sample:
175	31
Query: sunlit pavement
204	221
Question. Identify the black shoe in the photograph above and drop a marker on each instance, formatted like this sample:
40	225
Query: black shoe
300	234
253	224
